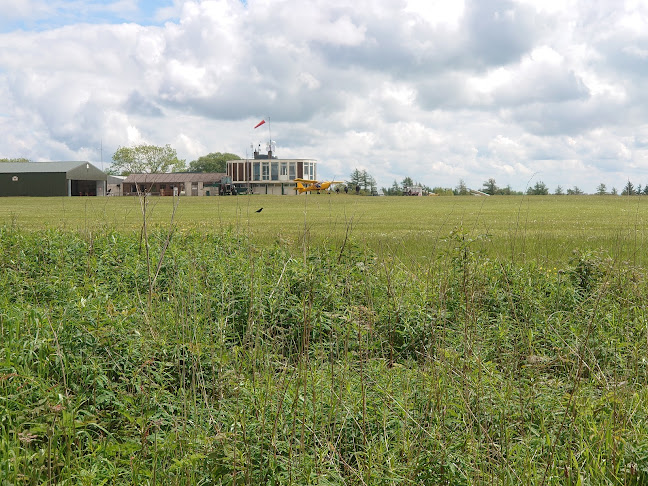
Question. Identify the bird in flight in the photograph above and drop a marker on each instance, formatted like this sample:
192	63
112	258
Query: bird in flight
258	210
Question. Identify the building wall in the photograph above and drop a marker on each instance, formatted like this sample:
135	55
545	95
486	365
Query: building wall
86	172
35	184
188	188
114	189
274	189
154	188
271	176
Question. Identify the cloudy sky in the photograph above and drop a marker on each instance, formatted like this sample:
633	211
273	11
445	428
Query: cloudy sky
518	90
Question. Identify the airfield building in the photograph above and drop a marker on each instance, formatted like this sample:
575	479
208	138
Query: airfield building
177	183
115	185
51	179
266	174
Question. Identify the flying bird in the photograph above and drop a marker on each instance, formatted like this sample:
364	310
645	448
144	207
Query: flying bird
258	210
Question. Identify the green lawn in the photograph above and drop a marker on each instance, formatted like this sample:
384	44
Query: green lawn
545	228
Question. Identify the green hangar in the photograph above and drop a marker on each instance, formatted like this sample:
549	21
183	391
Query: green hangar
51	179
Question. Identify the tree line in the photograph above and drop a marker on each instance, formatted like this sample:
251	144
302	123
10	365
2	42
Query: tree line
154	159
491	188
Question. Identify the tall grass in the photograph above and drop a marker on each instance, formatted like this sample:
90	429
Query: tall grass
253	362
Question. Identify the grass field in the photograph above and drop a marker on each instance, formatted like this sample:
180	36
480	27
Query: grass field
325	340
542	228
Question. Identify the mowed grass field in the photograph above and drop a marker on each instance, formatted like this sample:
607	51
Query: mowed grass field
545	228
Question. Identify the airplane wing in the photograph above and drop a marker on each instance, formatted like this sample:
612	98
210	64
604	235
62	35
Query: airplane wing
307	181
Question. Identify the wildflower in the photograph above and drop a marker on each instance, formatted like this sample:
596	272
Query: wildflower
57	408
26	437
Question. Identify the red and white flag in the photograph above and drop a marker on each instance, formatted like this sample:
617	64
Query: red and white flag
259	124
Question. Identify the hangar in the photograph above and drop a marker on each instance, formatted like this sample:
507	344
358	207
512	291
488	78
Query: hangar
74	178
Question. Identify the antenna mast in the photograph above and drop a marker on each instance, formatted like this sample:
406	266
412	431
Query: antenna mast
270	148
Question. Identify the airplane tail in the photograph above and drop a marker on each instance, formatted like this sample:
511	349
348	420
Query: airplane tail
300	188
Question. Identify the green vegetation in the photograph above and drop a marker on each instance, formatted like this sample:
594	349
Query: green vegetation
146	159
213	162
542	228
326	340
362	182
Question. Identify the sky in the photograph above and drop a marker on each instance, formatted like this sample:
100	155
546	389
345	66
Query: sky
522	91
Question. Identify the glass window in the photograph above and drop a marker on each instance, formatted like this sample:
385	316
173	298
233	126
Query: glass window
284	169
291	168
274	171
256	171
265	171
309	170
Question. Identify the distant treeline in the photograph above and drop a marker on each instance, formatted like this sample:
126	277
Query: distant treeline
491	188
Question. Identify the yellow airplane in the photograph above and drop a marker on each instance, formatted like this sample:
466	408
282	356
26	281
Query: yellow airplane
312	185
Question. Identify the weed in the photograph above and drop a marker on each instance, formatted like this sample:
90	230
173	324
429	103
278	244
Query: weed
327	364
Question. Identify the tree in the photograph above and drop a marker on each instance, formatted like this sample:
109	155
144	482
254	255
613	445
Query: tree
601	190
540	189
442	191
213	162
355	179
407	182
559	191
373	187
508	191
365	179
490	187
394	190
361	180
462	189
148	159
21	159
575	191
628	190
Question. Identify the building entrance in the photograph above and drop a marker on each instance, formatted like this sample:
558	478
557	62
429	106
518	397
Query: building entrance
83	188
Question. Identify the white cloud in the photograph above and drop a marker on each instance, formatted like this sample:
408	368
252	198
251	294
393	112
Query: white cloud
435	90
134	136
437	12
12	9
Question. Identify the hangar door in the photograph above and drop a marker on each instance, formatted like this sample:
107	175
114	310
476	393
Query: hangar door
83	188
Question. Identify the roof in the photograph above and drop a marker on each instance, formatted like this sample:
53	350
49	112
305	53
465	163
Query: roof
175	177
23	167
112	179
73	170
